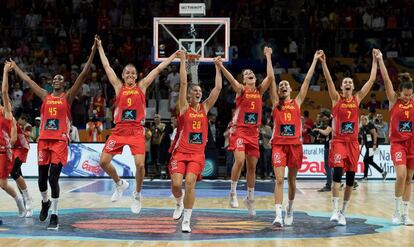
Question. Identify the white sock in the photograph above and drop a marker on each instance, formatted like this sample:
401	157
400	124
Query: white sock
278	210
137	194
405	206
187	214
54	205
233	187
45	197
344	206
335	204
398	201
179	200
250	193
17	198
290	205
120	182
25	194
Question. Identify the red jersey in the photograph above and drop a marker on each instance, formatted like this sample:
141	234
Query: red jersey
345	120
248	111
5	127
130	107
193	131
401	121
21	142
287	124
55	116
98	105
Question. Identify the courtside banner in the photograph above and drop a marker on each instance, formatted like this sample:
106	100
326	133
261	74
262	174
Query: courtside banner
83	161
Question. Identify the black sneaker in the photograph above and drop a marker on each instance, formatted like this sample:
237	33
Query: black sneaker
355	185
54	222
324	189
45	210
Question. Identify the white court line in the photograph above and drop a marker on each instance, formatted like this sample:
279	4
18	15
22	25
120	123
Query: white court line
79	187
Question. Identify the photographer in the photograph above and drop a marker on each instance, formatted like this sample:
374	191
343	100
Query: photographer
369	140
382	128
322	132
94	128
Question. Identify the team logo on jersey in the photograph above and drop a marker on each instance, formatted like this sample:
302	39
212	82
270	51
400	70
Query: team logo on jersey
347	128
195	138
129	115
398	156
287	130
111	144
250	118
276	158
239	142
337	158
52	124
405	127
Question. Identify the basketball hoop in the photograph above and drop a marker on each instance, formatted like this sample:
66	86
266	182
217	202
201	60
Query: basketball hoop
191	66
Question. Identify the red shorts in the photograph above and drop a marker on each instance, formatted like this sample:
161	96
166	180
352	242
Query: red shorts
52	152
345	155
20	153
116	142
402	153
184	163
245	141
289	155
6	165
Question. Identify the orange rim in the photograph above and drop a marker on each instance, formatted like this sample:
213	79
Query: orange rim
193	57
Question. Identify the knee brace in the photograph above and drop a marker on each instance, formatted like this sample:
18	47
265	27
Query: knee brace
337	174
350	178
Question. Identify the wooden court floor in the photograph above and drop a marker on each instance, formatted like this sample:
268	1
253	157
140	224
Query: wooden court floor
83	197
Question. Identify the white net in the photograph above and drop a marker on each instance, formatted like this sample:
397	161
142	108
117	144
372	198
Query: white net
192	63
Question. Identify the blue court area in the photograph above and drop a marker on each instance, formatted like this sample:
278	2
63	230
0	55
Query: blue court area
162	188
156	224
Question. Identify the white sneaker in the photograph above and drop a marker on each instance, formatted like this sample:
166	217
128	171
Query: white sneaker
20	206
341	219
396	218
136	203
29	208
185	226
405	220
335	216
278	221
179	208
250	206
119	190
234	203
288	217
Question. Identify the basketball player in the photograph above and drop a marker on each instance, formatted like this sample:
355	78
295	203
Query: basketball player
8	137
129	117
188	154
245	128
20	150
287	150
53	142
344	150
402	142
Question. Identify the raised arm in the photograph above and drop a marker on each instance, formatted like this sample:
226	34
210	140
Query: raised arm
237	87
113	79
73	91
333	94
5	90
269	71
305	85
146	82
389	89
274	97
368	85
182	95
40	92
215	92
